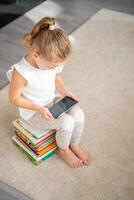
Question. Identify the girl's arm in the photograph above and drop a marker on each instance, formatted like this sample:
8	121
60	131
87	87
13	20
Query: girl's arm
60	86
15	89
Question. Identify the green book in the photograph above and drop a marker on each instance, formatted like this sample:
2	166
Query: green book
35	158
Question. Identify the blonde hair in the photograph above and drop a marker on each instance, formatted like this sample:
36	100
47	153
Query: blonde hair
52	43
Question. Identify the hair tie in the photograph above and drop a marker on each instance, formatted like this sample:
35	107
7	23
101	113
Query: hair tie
51	27
48	26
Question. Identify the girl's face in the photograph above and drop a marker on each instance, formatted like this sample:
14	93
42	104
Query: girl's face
43	64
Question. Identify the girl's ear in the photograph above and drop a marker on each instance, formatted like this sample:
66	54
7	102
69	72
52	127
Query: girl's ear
35	54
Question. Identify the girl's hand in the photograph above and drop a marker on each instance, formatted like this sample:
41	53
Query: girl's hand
70	94
45	113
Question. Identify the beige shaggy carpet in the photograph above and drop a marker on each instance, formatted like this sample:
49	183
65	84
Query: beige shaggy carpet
101	74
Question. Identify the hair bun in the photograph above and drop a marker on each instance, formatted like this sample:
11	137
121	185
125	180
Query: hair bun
45	23
27	40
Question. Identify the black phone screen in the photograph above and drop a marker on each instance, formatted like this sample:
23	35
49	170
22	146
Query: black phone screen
63	105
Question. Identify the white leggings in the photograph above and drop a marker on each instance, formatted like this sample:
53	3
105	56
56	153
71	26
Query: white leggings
69	125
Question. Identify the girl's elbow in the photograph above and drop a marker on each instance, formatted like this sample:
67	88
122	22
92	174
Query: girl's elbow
12	100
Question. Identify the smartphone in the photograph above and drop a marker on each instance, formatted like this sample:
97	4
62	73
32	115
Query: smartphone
62	106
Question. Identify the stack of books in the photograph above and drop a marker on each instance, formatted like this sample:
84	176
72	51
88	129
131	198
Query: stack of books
37	144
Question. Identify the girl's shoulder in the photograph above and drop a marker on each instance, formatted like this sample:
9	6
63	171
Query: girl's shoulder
21	68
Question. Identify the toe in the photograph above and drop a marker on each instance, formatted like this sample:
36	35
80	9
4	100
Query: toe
72	165
87	161
76	165
81	162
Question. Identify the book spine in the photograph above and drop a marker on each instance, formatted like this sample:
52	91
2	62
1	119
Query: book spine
26	145
26	139
48	148
35	162
24	151
49	155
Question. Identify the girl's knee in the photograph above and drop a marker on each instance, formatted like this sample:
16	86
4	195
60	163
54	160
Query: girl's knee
81	114
67	123
78	114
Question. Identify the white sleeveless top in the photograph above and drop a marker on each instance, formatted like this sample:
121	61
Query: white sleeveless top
40	88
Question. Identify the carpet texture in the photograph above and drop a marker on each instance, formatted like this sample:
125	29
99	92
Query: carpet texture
101	74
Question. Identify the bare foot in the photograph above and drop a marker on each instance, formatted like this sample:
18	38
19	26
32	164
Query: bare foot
82	154
69	157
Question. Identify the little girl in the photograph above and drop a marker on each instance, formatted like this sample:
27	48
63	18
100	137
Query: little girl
34	81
